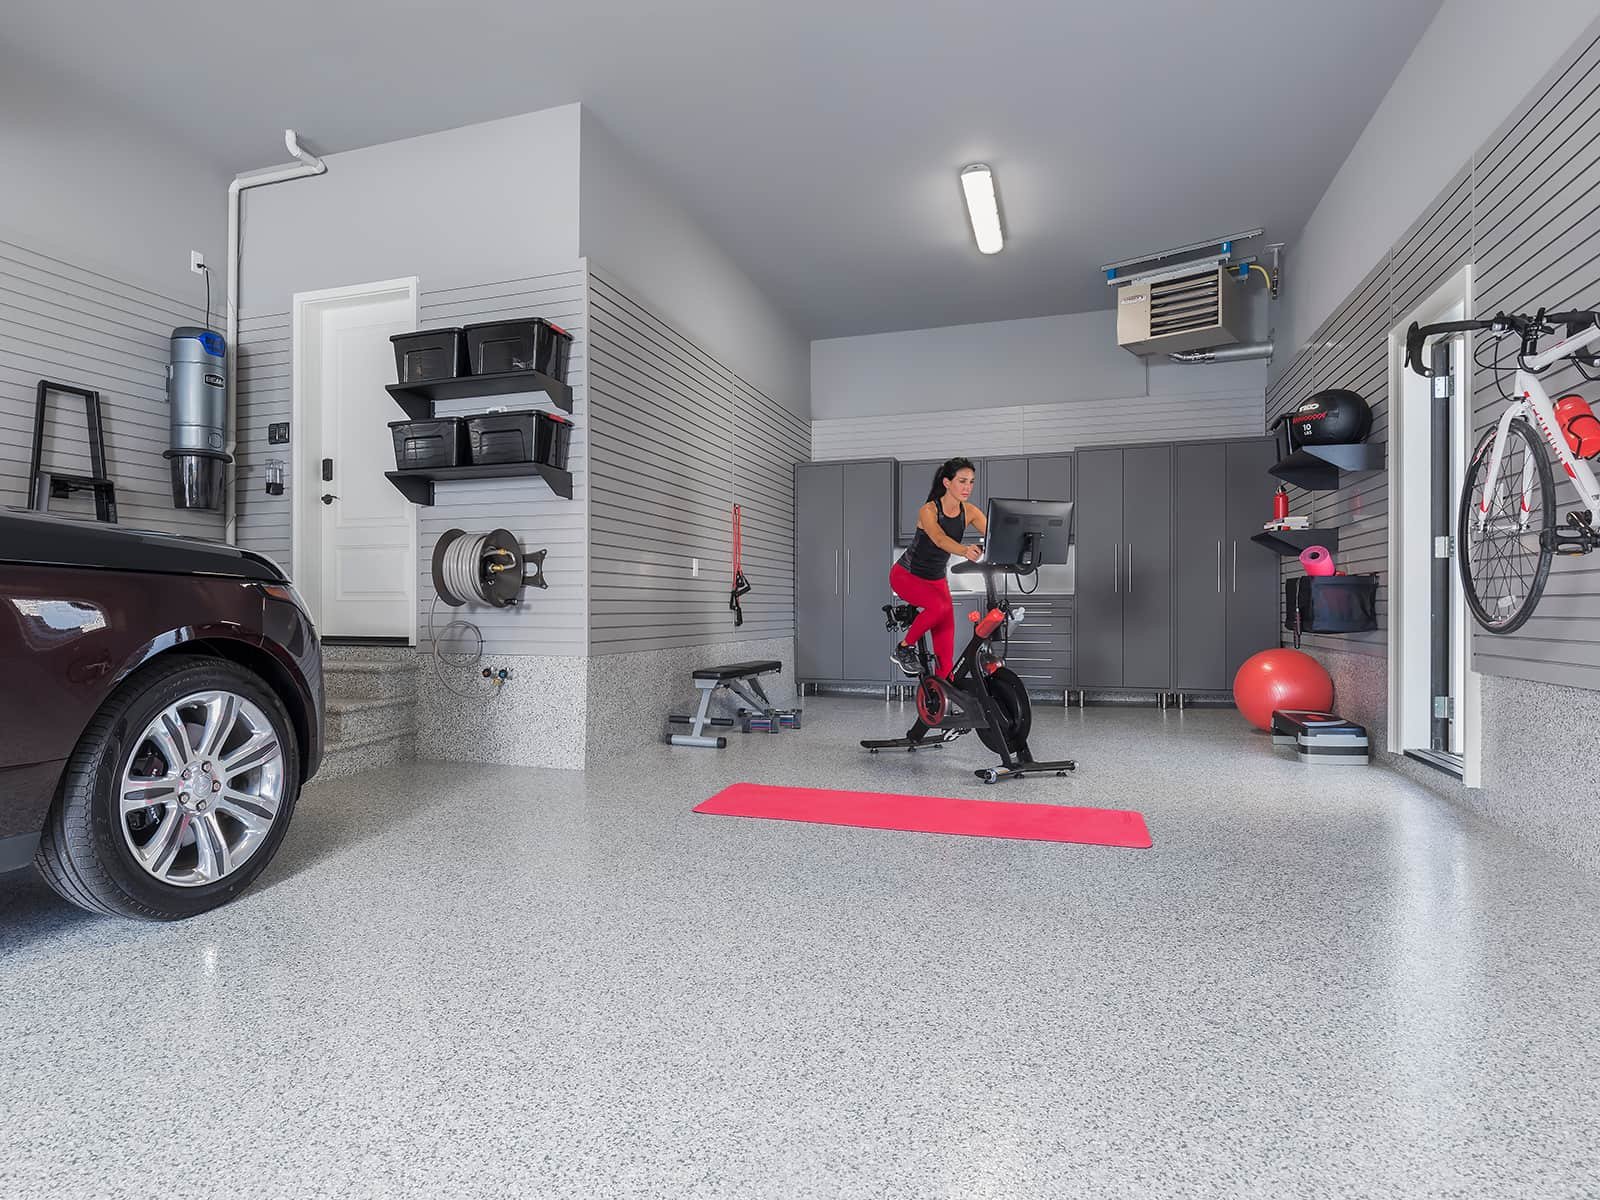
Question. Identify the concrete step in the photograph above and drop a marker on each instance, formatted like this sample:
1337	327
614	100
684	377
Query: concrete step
348	680
362	720
351	758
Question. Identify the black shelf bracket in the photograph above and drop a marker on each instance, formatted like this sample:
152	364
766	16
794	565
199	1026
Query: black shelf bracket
417	485
418	399
1288	543
1321	468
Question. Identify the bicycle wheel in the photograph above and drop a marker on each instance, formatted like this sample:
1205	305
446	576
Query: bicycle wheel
1504	539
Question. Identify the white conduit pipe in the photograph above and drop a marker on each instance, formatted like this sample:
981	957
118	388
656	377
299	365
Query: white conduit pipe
305	164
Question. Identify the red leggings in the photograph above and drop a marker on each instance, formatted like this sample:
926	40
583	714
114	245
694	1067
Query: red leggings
938	615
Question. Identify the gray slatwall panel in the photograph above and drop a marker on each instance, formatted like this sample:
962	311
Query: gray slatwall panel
1043	428
67	323
265	396
552	622
680	438
1539	239
1524	212
1351	351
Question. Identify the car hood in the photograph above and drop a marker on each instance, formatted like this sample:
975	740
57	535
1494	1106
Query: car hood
34	538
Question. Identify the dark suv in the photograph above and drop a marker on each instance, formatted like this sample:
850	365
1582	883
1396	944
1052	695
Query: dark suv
160	706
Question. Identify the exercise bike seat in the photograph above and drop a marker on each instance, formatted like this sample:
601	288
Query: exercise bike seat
744	670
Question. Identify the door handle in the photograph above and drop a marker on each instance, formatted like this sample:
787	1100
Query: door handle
847	570
1219	566
1130	568
1236	565
1116	568
836	570
328	499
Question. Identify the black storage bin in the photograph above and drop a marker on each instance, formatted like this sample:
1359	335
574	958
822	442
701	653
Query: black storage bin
433	354
554	437
522	436
533	344
1330	604
436	442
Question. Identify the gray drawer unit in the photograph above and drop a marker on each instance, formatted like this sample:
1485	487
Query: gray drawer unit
1040	649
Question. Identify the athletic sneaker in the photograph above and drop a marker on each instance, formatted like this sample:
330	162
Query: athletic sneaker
908	659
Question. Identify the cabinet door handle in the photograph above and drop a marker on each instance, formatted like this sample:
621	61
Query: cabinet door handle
847	571
1116	568
1219	567
1130	568
836	570
1236	566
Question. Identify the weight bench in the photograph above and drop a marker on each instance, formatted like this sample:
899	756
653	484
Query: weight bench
743	680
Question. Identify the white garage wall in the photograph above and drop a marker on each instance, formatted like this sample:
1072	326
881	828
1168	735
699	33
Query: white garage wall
1001	387
646	242
98	214
1471	68
87	184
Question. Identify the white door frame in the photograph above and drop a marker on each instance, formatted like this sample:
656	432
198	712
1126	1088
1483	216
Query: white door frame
1406	422
305	465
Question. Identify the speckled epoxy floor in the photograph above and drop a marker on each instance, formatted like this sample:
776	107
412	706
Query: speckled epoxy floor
507	982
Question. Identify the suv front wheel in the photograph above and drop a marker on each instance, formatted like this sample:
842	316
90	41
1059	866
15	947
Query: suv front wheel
177	796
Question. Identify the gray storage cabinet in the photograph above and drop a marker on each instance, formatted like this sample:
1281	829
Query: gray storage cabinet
844	535
1252	582
1125	603
1032	477
1227	585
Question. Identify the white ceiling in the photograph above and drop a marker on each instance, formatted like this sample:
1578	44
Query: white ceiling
819	141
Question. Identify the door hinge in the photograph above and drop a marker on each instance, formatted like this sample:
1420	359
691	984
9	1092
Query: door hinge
1444	708
1441	387
1444	546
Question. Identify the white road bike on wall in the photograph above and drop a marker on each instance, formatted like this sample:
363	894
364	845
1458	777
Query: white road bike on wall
1506	531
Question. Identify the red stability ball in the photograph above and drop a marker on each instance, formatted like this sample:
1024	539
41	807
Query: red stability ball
1281	679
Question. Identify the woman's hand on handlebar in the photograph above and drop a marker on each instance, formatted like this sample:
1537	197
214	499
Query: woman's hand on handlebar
973	553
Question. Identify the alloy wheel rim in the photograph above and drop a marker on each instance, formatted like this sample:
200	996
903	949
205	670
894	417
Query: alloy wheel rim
201	789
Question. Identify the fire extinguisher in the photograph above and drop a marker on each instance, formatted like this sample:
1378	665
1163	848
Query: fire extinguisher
1280	503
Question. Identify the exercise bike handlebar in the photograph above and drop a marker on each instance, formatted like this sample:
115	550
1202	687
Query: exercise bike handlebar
989	568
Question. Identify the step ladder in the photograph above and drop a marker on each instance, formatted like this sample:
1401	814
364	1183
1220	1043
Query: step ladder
44	485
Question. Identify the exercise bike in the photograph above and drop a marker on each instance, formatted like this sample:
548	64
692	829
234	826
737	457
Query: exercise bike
982	693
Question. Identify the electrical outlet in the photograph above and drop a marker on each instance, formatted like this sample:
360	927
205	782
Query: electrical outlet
197	262
694	567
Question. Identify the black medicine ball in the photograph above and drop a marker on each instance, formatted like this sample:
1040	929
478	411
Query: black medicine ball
1335	417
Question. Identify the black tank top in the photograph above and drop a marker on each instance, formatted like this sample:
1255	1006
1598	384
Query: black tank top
923	558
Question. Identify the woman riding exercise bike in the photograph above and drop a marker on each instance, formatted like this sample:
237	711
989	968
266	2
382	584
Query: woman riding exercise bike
919	577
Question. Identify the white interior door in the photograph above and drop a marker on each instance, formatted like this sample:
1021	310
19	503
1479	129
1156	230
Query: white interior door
357	568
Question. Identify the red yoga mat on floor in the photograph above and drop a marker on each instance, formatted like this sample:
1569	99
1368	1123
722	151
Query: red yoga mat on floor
932	814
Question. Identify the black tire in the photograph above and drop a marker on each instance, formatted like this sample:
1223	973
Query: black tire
1502	579
1011	697
83	853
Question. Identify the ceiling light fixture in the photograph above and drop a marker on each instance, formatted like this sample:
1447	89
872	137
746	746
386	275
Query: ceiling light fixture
983	210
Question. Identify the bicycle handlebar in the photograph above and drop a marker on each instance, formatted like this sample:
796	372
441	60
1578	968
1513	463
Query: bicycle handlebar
976	568
1529	329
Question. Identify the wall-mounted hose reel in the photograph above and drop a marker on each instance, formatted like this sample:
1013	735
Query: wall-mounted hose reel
478	568
484	568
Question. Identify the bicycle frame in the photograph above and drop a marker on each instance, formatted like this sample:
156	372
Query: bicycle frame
1535	402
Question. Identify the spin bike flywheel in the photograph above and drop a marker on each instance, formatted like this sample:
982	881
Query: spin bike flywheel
1016	713
933	700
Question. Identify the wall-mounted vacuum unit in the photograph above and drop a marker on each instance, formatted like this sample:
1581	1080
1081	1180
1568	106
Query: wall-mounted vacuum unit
1190	302
197	396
